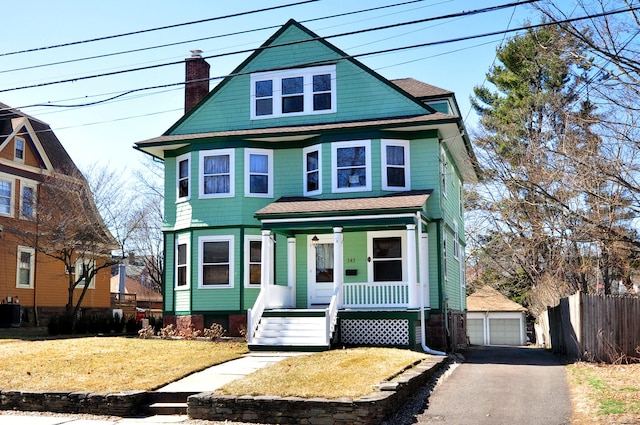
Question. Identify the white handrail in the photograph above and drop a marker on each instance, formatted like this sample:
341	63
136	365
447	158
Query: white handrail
254	315
332	315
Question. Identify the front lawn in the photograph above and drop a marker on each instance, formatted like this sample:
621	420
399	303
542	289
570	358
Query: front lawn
110	364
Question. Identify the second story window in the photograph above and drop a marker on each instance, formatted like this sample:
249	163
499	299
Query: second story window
19	149
27	202
312	163
351	165
5	197
259	172
293	92
183	173
395	165
217	173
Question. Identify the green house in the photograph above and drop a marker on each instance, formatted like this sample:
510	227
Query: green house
311	202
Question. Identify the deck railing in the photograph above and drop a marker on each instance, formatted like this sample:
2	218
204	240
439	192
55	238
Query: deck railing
375	294
253	316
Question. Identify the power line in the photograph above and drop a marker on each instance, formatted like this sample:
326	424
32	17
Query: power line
452	15
108	37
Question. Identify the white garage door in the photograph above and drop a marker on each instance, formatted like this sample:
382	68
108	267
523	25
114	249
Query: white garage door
475	330
504	332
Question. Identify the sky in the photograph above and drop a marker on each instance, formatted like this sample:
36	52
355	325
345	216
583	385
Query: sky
104	133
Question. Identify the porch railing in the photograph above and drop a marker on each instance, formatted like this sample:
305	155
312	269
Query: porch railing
332	316
253	316
375	294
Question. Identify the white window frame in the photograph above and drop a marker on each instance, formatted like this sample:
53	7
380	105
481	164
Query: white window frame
232	173
179	159
23	141
403	246
443	172
305	171
247	172
182	240
461	194
32	263
247	259
12	184
405	144
335	146
222	238
456	242
24	184
78	265
277	76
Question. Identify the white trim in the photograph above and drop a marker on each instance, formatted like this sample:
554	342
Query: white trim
328	239
32	254
456	242
335	218
247	172
223	238
305	172
334	165
232	173
91	266
402	234
405	144
276	98
247	260
184	239
179	159
12	183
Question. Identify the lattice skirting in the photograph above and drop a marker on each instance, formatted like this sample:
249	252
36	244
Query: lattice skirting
374	332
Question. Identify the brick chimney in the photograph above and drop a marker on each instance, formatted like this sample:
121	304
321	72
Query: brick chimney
196	80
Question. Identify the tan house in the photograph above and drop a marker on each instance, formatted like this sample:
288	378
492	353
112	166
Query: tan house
31	154
493	319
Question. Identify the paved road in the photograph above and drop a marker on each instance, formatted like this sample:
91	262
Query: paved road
502	385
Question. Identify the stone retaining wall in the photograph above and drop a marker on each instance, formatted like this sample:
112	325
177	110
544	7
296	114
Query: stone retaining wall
126	403
368	410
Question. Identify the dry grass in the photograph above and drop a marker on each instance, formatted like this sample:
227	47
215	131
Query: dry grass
331	374
605	394
106	364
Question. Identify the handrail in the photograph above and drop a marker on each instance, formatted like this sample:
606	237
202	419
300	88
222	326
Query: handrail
332	315
254	315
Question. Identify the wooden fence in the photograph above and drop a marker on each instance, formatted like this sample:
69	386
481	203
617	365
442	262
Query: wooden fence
592	327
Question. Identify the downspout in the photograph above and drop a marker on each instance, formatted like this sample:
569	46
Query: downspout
423	328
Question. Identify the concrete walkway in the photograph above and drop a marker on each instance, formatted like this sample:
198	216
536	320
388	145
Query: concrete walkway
206	380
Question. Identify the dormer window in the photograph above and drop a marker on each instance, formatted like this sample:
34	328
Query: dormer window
19	149
293	92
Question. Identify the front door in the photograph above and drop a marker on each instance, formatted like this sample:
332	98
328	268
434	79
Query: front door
320	276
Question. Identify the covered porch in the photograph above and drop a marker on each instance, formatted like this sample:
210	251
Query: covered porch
337	290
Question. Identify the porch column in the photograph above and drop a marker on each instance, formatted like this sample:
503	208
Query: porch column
265	266
291	269
424	269
412	276
338	262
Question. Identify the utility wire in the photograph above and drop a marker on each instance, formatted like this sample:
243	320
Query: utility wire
261	48
108	37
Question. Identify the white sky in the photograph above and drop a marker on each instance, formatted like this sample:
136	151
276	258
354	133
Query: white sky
105	133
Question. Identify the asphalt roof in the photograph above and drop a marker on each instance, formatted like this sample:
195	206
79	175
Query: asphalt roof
489	299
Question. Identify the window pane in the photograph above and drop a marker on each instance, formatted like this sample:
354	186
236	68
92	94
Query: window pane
264	107
215	275
312	161
312	181
348	157
215	252
255	274
182	276
292	104
182	254
387	248
5	197
255	251
19	149
259	184
322	82
184	168
387	271
293	85
25	259
23	277
258	163
217	184
264	88
183	190
321	101
395	155
216	164
352	177
395	177
27	201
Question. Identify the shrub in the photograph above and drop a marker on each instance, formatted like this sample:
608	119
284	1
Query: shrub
215	331
118	323
60	324
146	332
168	332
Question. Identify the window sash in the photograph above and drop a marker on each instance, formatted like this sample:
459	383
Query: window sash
27	202
217	174
215	266
5	196
19	149
24	276
183	174
312	177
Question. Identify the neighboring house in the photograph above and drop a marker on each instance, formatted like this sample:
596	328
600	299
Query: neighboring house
493	319
309	200
129	294
30	153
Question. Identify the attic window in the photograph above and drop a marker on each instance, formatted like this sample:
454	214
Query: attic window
19	149
293	92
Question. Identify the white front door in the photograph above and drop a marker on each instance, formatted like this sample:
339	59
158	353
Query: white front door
320	276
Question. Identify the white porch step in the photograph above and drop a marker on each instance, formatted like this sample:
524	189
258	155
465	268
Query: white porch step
291	331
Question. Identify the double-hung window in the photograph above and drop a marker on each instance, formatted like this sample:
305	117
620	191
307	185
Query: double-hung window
19	149
253	261
182	262
216	261
293	92
26	262
27	201
351	165
84	268
258	172
443	172
217	169
312	164
395	165
183	177
6	196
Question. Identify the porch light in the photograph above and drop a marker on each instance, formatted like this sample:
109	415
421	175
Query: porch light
314	241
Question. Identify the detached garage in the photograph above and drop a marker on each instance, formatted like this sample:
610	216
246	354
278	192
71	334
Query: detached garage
493	319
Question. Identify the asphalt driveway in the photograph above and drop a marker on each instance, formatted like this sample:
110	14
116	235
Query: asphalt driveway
496	386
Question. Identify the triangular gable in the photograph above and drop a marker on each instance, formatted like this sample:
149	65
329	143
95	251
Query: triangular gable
21	127
361	92
489	299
